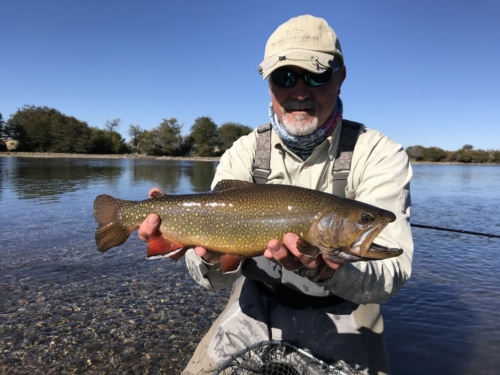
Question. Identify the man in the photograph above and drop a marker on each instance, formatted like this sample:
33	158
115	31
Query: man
336	314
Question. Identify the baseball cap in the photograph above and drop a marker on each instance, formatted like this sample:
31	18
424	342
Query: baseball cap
304	41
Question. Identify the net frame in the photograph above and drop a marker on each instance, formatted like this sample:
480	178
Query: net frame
276	357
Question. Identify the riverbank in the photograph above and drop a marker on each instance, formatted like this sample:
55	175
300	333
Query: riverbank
150	157
103	156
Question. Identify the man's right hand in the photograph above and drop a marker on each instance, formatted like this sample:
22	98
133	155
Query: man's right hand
152	224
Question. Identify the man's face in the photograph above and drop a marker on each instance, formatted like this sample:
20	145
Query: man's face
302	109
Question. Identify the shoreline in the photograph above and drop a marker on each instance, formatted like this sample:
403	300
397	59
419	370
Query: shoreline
53	155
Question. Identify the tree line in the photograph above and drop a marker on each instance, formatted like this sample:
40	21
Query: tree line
467	154
43	129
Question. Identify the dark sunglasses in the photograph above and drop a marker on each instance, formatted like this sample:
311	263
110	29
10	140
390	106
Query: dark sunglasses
287	78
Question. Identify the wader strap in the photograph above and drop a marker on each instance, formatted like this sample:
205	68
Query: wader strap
261	164
342	163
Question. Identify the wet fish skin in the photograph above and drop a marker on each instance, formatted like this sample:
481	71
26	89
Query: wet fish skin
239	218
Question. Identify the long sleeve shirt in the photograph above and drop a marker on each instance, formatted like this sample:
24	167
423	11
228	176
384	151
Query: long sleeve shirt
380	175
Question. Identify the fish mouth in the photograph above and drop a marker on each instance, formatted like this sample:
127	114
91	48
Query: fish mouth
364	242
382	252
365	248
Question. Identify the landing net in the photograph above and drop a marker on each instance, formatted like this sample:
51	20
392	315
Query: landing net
279	358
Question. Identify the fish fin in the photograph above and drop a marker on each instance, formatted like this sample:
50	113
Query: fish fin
225	185
306	248
229	262
161	246
110	232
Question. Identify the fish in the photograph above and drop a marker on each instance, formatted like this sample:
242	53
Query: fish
238	219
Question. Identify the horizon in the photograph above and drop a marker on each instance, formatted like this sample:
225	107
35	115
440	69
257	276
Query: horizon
422	73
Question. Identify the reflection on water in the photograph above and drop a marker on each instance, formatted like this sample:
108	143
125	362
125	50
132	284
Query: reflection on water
173	176
45	180
446	320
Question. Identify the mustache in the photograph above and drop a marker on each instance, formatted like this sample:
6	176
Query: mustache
299	104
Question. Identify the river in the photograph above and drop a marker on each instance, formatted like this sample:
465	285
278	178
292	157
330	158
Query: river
66	308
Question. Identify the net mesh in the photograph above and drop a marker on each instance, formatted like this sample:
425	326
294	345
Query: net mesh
279	358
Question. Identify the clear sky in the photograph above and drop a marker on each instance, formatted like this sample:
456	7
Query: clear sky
423	72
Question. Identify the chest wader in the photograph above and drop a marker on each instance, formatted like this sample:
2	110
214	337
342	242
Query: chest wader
341	165
267	275
353	332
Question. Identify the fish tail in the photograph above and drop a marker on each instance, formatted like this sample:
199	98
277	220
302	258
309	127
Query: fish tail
111	232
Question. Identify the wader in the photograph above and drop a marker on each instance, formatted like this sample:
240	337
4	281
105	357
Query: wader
262	307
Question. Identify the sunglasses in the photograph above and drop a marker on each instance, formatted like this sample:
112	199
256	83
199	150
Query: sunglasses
287	78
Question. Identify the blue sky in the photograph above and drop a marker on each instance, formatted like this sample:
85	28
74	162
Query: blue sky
423	72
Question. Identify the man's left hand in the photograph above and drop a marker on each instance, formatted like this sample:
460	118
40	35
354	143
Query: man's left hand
291	258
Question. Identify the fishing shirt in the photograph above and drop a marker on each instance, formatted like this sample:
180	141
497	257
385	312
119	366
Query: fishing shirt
380	175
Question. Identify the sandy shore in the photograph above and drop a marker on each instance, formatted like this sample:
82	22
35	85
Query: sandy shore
103	156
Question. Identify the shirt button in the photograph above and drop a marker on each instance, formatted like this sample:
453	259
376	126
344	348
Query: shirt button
305	166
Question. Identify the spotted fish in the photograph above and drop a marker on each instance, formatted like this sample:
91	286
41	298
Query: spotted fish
239	218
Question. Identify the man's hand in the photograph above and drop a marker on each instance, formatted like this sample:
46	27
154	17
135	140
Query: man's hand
291	258
207	255
152	222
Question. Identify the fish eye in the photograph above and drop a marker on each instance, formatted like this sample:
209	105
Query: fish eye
366	218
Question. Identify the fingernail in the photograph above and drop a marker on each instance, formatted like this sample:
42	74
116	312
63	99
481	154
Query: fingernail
152	220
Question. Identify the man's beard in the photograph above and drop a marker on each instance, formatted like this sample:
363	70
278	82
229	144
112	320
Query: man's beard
301	124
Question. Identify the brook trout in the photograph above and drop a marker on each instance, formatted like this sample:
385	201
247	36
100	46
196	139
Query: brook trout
239	218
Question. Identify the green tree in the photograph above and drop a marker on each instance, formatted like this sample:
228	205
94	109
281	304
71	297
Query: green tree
229	132
104	141
463	156
3	146
2	124
113	124
495	156
467	147
186	146
135	132
204	134
146	143
415	152
479	156
167	137
434	154
43	129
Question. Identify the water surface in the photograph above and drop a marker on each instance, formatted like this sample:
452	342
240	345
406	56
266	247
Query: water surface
67	308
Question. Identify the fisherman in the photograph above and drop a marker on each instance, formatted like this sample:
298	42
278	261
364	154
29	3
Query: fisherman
334	311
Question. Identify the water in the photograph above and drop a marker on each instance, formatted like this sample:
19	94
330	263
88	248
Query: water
446	320
67	308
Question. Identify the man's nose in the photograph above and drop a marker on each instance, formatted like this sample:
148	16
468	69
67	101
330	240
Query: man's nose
300	90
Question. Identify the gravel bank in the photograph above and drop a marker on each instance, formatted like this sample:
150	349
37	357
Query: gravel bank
102	156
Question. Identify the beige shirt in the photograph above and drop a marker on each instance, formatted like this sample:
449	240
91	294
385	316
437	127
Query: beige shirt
380	175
